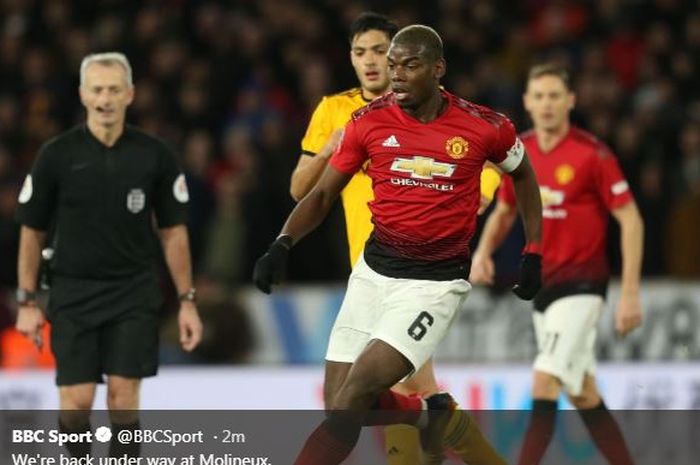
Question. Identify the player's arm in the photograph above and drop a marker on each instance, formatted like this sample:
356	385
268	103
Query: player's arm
30	318
309	168
176	249
527	195
629	315
305	217
36	206
170	205
496	229
313	208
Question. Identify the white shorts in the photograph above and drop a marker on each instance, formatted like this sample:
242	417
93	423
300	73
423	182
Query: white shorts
566	334
411	315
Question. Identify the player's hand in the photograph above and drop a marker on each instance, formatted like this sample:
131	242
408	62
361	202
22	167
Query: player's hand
30	321
530	276
629	313
190	326
484	204
331	144
483	269
270	268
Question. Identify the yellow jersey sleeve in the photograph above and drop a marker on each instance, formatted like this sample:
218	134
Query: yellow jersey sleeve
490	180
320	128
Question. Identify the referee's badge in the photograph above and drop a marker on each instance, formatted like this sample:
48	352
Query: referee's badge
180	189
27	190
135	200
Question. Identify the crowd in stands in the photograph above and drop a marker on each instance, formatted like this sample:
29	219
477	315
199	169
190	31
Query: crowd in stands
231	84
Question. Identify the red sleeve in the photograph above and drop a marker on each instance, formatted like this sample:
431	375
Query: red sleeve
506	193
508	150
612	185
350	154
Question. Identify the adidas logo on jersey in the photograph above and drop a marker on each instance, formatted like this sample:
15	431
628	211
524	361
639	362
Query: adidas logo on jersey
391	142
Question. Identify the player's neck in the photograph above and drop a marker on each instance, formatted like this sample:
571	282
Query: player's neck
108	135
429	110
547	139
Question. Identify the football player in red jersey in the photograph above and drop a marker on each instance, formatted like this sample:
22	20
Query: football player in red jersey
581	185
425	149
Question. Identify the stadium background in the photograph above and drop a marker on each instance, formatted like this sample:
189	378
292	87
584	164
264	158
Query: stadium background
231	86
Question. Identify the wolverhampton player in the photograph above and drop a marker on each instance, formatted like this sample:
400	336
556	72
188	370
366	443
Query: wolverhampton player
370	36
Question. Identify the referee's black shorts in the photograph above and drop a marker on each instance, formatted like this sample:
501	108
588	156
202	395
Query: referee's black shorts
104	328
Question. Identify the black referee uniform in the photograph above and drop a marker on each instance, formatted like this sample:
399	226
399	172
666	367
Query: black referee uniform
102	201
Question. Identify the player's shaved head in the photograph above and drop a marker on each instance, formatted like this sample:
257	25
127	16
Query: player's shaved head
424	37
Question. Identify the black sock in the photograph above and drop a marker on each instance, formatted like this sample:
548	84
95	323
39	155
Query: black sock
333	440
117	449
76	449
539	432
606	434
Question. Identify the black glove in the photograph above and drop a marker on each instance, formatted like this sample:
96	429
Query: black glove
270	268
530	276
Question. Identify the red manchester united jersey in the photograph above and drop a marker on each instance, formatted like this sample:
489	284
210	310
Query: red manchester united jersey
425	176
580	182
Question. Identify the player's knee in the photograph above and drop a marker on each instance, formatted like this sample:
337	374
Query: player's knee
122	400
123	395
545	386
357	393
78	398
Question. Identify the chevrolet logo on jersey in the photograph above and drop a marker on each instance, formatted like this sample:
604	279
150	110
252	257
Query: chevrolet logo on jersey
551	197
423	167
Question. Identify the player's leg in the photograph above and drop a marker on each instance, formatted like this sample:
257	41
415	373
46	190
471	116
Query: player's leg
335	374
601	425
545	392
462	434
419	316
562	333
76	401
123	396
75	349
401	441
129	353
376	369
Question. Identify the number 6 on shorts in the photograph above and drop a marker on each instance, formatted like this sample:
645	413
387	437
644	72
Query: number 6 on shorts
418	328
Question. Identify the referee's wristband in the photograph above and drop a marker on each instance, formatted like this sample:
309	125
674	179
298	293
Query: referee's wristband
188	296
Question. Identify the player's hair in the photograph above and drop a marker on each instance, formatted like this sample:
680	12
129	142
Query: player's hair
107	59
550	69
370	21
427	37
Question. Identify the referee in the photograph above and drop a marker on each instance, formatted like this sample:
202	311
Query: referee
103	185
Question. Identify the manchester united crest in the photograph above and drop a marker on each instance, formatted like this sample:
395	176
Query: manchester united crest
564	174
457	147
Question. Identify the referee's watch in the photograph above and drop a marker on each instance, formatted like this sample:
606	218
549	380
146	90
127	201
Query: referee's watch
188	296
25	297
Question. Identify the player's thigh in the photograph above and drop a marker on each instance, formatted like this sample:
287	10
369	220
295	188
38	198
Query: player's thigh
422	382
377	368
129	344
358	315
75	347
566	334
417	315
